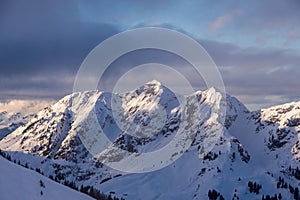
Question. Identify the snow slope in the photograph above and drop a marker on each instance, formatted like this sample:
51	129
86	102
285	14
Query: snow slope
19	183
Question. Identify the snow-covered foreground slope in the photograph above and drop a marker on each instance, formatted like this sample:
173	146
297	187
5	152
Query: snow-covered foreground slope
19	183
233	154
15	113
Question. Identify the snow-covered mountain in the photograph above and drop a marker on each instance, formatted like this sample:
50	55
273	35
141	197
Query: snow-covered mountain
15	113
237	155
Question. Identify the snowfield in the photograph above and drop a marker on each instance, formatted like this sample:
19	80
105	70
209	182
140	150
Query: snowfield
19	183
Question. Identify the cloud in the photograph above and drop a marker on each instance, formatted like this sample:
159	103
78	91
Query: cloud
46	37
292	36
53	53
221	21
36	86
261	40
256	102
266	23
139	57
270	15
261	76
257	72
42	44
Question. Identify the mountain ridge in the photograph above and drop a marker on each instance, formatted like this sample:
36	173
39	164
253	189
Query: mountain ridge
56	142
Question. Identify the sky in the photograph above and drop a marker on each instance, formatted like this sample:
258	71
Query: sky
255	44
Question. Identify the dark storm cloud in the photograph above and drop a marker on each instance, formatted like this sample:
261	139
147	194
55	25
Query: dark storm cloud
257	72
227	54
52	50
272	14
46	37
39	40
43	43
256	16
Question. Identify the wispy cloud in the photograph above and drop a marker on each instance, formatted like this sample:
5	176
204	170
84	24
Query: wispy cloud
221	21
292	35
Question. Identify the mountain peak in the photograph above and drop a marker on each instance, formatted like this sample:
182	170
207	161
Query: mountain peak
153	87
154	82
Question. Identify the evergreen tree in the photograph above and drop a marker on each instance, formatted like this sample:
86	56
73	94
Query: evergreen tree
42	184
296	194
